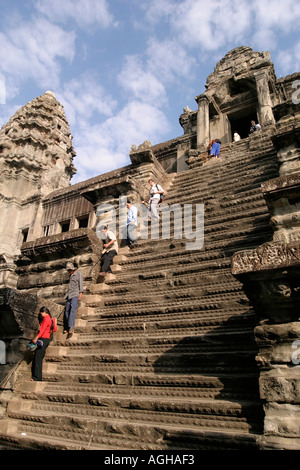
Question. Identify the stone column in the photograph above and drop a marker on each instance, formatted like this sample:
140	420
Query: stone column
202	122
266	116
182	150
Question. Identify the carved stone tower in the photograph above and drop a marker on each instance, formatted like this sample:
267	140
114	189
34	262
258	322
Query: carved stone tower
36	157
241	89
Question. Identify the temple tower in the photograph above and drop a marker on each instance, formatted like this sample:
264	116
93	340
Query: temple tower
36	157
241	88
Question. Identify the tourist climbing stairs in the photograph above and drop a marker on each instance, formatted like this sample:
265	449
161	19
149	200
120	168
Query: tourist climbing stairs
163	356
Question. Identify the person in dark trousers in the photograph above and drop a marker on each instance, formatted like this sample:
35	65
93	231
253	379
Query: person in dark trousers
131	225
110	249
73	297
47	325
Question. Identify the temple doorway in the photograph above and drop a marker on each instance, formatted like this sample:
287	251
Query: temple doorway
241	122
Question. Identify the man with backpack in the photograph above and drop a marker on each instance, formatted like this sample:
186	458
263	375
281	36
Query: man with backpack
155	197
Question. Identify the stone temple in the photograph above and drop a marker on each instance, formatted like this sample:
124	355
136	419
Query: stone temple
177	349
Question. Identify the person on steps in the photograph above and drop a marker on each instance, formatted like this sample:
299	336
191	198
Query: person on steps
47	325
110	250
215	149
131	225
154	199
72	297
254	127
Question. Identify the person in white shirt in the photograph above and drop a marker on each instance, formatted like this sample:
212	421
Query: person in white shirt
131	225
254	127
154	199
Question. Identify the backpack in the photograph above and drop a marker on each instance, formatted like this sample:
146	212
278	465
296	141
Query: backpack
162	196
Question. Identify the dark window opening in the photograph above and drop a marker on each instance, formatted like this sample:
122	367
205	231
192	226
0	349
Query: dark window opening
65	226
241	124
25	232
83	221
46	230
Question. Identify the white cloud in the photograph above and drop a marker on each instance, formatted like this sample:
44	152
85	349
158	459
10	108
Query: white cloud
140	83
289	60
104	147
83	12
158	9
275	14
31	51
169	60
212	24
218	24
84	97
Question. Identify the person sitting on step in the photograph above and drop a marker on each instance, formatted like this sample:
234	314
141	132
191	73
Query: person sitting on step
215	149
254	127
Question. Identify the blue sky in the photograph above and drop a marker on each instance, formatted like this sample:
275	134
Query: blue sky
125	69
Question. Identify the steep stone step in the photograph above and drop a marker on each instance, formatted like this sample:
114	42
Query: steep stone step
228	182
51	403
163	356
227	170
140	386
215	340
126	432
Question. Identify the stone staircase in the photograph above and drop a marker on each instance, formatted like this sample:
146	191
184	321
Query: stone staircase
164	354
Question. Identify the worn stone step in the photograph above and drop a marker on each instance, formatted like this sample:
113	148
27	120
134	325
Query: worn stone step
236	334
88	386
126	399
228	181
163	354
92	434
149	310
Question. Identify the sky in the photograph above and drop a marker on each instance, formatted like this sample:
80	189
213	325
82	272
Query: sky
124	70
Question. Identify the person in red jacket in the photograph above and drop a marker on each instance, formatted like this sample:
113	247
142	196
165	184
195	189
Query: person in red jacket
47	325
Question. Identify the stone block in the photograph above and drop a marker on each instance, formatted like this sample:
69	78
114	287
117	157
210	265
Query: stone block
8	427
280	385
31	386
282	420
57	351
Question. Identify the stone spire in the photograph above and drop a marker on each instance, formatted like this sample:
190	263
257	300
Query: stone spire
36	158
37	139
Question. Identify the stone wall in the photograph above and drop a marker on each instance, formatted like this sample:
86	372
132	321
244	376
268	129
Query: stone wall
18	325
36	157
270	275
